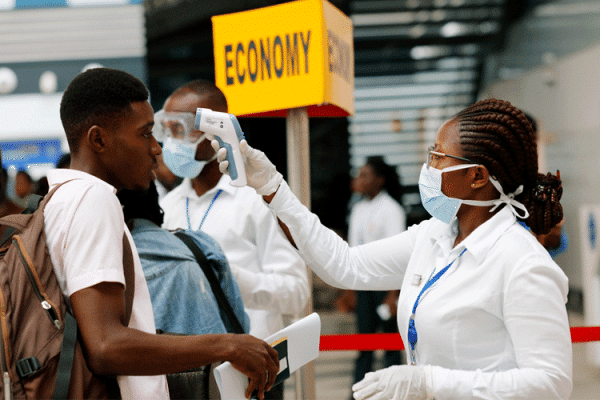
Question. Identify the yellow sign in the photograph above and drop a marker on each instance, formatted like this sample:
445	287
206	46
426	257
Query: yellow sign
296	54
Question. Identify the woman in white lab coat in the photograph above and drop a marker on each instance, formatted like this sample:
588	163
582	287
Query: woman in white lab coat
482	305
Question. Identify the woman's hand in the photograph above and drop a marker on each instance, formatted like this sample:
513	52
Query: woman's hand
399	382
261	174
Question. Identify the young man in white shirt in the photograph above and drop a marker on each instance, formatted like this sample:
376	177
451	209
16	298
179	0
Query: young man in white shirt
272	278
108	121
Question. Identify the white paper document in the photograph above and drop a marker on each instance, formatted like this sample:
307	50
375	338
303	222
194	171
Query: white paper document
297	345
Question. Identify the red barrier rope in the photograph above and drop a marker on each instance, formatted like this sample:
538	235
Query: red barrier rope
393	341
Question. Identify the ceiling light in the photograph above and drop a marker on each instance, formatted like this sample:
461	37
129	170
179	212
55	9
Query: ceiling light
8	80
452	29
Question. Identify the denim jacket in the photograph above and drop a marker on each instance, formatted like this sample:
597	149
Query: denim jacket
182	299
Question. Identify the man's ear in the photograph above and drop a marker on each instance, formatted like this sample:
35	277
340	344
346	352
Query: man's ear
479	176
97	139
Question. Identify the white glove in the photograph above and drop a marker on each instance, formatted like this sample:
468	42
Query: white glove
261	174
399	382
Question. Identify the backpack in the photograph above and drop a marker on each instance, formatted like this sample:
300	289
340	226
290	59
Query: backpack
40	352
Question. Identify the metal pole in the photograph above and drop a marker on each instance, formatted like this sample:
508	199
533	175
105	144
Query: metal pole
298	152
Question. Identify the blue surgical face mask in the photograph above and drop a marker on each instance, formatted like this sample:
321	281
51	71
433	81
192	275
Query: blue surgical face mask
179	157
445	208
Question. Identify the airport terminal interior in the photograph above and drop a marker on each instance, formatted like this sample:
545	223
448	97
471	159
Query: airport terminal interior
410	64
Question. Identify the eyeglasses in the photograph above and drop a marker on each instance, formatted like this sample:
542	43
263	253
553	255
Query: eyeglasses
431	154
178	125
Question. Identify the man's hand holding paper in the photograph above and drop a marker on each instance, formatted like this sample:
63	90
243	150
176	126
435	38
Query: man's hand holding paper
296	345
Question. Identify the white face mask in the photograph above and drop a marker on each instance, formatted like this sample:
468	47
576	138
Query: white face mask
445	208
179	157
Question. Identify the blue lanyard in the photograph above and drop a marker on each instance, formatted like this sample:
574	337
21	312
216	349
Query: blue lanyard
412	331
187	210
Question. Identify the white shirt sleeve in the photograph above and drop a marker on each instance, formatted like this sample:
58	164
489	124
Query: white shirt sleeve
281	284
378	265
86	253
539	331
395	220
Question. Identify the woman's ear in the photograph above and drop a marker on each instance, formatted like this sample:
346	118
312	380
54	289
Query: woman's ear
479	176
96	139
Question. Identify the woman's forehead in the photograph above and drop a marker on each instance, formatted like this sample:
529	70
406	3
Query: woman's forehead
448	136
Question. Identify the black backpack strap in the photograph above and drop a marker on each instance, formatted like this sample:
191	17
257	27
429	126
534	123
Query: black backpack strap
32	204
212	279
65	362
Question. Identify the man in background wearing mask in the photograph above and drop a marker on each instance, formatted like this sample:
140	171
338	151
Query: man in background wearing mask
271	276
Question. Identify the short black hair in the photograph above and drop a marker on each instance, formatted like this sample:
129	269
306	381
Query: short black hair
64	161
205	89
25	174
98	96
141	204
392	183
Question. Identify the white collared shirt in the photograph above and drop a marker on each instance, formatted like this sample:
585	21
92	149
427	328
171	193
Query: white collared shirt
84	230
494	326
272	278
374	219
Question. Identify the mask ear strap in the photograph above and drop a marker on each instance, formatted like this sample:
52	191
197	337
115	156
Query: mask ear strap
509	200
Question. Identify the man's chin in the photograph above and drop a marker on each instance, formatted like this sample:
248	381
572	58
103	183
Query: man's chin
139	186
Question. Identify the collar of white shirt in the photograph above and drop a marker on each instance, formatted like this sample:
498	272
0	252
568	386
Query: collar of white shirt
223	184
481	240
58	176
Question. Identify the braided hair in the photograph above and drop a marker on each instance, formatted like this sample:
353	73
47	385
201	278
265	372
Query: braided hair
499	136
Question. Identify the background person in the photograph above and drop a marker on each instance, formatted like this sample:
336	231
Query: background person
108	122
7	206
378	215
24	187
556	240
271	276
482	305
182	298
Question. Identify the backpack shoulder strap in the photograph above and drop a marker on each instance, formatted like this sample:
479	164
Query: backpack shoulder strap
212	279
129	272
17	221
65	361
33	203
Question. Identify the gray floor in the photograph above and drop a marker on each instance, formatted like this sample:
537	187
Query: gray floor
333	369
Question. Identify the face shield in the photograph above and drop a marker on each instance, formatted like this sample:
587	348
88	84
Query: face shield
176	125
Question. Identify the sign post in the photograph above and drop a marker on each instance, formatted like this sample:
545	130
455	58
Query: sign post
293	60
298	150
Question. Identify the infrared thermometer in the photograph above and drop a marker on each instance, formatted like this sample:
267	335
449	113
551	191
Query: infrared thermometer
226	129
